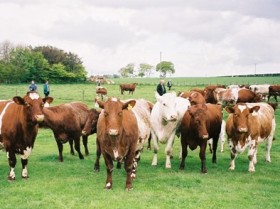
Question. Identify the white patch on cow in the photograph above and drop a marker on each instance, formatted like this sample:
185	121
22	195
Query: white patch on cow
26	153
242	107
1	145
34	95
2	115
114	99
24	173
12	174
116	153
7	155
108	185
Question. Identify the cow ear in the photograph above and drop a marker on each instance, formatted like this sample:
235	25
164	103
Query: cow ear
48	100
129	104
254	109
229	109
19	100
100	103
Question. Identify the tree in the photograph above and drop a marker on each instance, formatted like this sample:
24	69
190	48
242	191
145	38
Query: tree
127	71
165	67
145	70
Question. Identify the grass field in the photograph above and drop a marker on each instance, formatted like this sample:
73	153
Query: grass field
73	184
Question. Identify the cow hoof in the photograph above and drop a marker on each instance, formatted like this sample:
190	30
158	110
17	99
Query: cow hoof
129	189
96	169
267	161
25	177
11	178
108	186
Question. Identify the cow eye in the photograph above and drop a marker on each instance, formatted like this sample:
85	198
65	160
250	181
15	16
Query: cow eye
106	114
164	104
120	113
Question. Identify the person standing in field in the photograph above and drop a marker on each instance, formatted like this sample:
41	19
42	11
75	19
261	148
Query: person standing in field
161	88
32	86
169	84
46	88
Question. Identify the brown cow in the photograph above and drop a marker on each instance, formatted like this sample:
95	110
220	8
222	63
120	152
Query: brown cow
117	135
19	127
194	97
101	91
128	87
274	90
209	93
247	125
200	123
67	122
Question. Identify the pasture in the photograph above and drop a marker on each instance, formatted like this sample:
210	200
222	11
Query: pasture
74	184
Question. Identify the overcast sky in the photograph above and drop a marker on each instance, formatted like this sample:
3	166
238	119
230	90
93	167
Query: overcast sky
201	37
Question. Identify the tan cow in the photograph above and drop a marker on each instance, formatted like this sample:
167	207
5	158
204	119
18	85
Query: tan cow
249	124
117	134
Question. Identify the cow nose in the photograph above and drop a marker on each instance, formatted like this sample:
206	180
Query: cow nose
243	130
113	132
39	118
173	117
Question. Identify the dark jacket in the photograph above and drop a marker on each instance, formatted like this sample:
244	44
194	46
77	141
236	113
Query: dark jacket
161	89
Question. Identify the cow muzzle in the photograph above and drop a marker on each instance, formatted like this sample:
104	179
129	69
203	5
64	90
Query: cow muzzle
243	130
113	132
39	118
205	136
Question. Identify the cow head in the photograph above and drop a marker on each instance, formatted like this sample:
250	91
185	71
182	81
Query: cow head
241	113
113	114
33	106
91	123
199	119
167	106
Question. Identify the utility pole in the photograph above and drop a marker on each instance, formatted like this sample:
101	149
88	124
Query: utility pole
160	62
255	69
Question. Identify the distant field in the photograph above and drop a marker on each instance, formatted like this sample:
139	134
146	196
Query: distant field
73	184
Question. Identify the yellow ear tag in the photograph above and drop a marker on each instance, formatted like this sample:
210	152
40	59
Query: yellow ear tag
129	107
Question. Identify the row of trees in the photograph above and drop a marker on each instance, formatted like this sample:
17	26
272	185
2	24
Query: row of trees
144	69
19	64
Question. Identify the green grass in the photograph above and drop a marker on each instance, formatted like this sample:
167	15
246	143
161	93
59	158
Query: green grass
73	184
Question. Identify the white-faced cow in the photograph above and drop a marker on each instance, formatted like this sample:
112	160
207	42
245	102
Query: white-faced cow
262	89
19	127
130	87
67	122
117	135
200	122
166	117
249	124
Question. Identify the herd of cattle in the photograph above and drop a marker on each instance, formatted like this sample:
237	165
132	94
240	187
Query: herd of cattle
124	127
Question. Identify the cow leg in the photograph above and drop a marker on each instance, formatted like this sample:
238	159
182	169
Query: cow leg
128	165
184	151
215	145
252	155
268	147
210	142
155	140
24	173
98	154
60	150
71	147
12	162
77	147
203	157
168	151
85	143
110	168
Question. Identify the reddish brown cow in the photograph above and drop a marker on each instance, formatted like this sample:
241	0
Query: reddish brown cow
194	97
200	123
128	87
101	91
19	127
246	95
117	135
209	93
67	122
249	124
274	90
